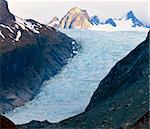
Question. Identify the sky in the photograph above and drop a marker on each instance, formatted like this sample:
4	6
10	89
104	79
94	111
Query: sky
44	10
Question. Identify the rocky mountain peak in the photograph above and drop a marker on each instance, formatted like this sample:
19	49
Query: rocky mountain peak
75	10
136	22
5	15
130	14
94	20
55	22
54	19
76	18
110	21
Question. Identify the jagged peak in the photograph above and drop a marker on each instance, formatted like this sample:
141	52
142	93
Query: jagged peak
75	9
110	21
130	14
94	20
54	19
5	15
95	16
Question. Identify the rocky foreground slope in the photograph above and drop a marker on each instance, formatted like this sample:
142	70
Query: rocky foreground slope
30	53
120	102
5	123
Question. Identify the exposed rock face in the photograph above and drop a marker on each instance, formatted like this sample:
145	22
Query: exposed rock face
54	22
136	22
30	53
5	15
110	21
94	20
76	18
121	98
5	123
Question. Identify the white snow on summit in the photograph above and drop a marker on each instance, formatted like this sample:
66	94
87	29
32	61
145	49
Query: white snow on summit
129	22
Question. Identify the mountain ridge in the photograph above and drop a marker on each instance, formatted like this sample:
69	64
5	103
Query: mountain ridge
129	20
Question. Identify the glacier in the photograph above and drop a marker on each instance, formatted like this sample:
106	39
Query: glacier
69	92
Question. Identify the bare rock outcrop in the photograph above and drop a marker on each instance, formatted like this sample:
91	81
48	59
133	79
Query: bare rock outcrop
76	18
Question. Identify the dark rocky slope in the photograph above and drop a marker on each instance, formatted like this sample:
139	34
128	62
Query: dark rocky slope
30	53
143	122
5	123
121	99
5	15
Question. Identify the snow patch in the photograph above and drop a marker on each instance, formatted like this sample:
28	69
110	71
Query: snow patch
31	27
18	36
4	26
24	24
124	23
20	22
73	42
2	34
121	26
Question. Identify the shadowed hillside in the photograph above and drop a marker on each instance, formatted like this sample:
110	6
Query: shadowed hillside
30	53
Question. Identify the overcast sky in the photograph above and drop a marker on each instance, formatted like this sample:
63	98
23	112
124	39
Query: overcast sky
44	10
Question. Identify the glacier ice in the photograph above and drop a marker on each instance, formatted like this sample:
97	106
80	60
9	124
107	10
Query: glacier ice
69	92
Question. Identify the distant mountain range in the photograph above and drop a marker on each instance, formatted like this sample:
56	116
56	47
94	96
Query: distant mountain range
78	18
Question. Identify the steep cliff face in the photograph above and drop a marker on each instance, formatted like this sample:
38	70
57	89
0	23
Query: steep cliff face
30	53
120	101
76	18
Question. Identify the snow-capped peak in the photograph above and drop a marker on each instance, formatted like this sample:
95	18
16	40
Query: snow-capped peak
127	22
135	22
